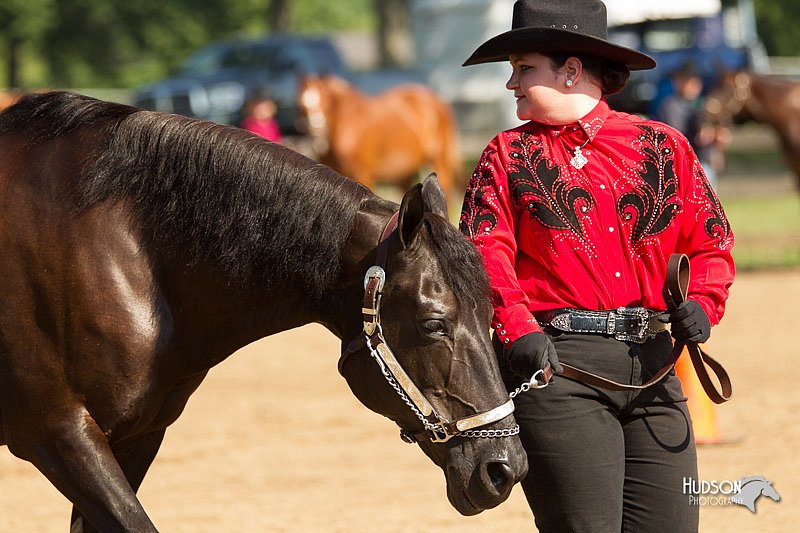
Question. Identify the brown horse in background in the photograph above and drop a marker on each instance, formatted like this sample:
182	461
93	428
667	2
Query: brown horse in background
386	138
8	97
743	95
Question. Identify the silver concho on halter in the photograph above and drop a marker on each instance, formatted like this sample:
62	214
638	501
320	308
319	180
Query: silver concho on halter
375	272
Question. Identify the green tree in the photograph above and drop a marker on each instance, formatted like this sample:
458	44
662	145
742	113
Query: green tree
122	43
393	21
778	22
21	21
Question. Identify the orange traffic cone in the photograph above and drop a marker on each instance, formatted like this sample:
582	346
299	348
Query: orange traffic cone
701	408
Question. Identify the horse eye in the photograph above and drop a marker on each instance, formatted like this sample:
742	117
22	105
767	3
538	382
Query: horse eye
436	327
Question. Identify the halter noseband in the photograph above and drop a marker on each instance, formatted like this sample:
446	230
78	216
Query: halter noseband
437	428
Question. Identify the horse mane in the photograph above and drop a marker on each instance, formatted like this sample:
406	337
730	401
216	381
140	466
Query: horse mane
461	263
210	192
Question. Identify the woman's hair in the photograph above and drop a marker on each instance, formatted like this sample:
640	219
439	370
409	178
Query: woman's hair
611	75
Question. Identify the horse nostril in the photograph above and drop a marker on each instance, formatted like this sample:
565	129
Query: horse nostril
501	475
490	484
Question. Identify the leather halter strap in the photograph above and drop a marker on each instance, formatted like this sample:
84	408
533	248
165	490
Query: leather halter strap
373	284
675	291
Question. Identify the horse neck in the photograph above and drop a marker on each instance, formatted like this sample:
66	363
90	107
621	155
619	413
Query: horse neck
214	316
766	100
345	101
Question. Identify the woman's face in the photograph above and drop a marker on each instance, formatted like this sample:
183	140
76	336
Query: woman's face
537	86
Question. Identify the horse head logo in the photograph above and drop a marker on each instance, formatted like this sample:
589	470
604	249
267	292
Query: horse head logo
752	488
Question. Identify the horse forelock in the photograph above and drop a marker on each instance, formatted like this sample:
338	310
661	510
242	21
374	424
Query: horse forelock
220	195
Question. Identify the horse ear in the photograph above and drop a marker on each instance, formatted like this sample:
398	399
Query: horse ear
426	197
412	210
433	196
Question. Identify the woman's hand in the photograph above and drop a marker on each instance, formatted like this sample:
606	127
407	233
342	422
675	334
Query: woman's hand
531	353
690	323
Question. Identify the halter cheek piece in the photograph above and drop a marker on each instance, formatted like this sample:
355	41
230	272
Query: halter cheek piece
437	428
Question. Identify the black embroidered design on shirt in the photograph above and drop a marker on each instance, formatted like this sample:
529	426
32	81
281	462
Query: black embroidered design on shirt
653	203
537	186
716	225
476	215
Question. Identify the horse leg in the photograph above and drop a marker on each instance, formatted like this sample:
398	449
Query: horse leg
791	152
76	457
135	460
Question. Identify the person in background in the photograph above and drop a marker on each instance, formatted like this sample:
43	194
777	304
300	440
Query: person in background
683	110
260	117
576	213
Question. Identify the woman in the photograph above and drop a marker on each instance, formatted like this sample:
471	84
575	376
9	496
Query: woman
576	213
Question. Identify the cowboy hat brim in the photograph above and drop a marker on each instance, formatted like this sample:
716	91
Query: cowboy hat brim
543	39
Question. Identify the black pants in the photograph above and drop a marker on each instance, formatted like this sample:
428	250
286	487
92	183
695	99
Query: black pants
603	461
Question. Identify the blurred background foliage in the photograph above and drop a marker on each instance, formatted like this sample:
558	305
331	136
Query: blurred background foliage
123	43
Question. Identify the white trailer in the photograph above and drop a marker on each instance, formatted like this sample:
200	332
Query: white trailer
445	33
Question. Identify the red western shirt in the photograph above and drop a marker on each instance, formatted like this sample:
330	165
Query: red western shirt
596	237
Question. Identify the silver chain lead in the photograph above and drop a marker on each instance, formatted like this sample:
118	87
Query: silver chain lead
533	383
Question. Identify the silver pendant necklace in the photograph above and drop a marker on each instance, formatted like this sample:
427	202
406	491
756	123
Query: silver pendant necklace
578	159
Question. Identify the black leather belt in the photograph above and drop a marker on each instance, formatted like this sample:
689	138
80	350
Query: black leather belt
633	324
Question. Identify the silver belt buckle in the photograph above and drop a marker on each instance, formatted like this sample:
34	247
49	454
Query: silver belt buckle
643	322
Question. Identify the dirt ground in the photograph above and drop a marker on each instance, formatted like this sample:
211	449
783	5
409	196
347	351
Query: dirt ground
274	441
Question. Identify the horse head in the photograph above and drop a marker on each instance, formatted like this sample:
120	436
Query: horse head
315	101
729	100
434	313
309	103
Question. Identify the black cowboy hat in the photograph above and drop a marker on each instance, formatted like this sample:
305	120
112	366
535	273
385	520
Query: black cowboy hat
559	26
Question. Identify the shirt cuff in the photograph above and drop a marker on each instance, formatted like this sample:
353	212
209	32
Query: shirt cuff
513	322
708	308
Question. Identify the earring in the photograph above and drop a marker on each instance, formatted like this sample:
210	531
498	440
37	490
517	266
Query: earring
568	83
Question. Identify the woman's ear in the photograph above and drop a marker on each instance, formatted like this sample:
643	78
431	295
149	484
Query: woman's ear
573	68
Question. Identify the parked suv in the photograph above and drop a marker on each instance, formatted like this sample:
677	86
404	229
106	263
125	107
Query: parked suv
216	81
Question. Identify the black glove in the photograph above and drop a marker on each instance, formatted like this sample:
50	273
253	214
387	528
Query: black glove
690	323
531	353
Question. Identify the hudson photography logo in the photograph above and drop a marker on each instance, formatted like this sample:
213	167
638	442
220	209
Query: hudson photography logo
744	491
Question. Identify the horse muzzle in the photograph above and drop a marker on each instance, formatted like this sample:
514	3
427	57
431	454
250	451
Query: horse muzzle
484	480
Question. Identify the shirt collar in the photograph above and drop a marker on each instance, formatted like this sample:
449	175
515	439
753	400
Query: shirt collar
594	119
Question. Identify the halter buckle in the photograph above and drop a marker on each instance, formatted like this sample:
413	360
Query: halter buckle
375	272
438	432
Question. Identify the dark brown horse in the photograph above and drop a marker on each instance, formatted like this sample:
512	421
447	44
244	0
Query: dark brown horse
140	249
384	138
743	95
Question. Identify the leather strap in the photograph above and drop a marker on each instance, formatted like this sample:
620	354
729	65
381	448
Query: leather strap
370	307
675	290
